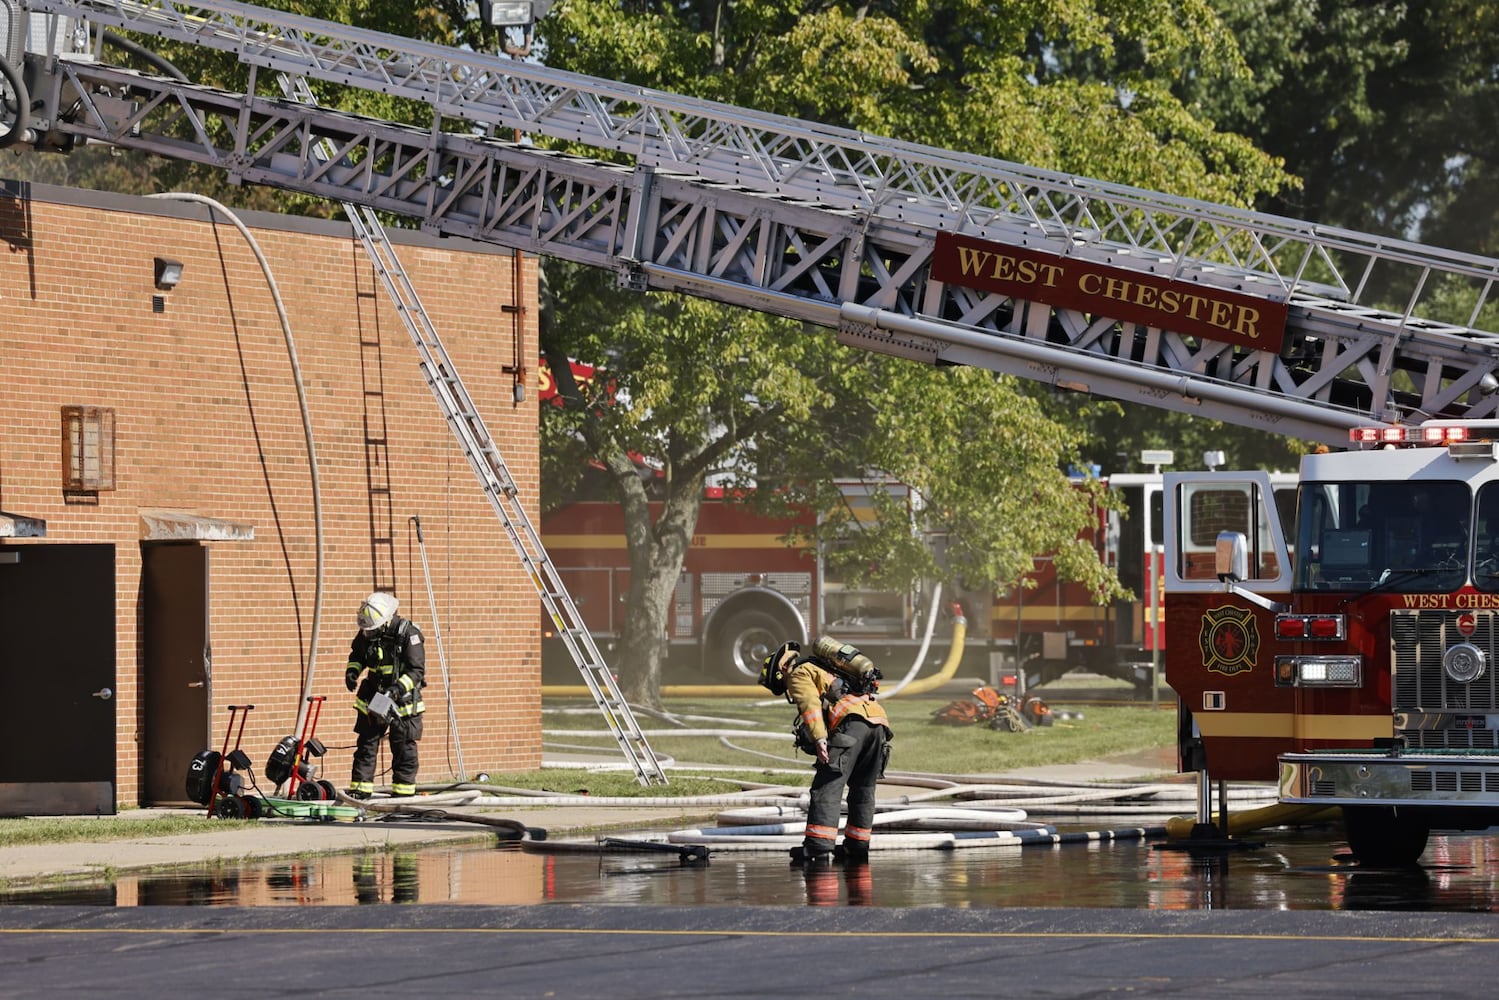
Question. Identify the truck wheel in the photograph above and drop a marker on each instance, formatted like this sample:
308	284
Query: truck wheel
1382	837
743	642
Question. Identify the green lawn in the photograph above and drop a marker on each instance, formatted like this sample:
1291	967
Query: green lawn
919	744
75	829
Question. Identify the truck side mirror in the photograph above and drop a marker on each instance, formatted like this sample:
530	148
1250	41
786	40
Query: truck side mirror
1231	556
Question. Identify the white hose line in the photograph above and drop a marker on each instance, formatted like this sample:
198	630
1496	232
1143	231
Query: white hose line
994	819
723	741
301	389
879	842
783	735
1153	793
642	802
926	642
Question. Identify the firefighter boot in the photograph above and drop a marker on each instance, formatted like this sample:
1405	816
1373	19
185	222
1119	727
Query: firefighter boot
852	854
816	859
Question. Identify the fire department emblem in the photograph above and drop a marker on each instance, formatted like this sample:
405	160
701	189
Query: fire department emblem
1230	640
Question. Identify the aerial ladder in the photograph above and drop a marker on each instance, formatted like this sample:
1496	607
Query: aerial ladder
484	457
831	226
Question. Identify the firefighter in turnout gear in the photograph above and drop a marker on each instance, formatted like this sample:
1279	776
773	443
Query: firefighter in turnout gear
390	649
840	723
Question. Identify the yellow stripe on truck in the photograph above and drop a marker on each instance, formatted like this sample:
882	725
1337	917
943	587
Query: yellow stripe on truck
1284	725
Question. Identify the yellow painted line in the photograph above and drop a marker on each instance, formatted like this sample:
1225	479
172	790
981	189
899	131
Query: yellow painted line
1284	725
855	935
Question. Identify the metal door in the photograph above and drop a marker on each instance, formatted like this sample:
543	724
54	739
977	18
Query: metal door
176	667
57	747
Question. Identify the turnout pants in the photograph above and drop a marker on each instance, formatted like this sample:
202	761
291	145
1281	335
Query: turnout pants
856	759
405	733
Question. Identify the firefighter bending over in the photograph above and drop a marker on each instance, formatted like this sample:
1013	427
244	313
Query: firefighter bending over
390	648
841	724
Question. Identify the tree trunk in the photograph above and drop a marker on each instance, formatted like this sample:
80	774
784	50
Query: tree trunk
657	552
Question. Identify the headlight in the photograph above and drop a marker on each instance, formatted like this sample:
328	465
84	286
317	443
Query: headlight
1319	671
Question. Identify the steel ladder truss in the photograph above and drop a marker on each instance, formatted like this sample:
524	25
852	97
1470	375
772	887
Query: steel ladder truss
825	225
484	457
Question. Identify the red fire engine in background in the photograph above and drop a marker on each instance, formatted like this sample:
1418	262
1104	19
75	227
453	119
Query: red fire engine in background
744	590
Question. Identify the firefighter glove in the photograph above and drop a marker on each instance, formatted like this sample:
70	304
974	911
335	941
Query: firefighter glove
822	751
351	678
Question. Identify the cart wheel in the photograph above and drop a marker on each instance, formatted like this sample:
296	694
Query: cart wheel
329	792
310	791
253	808
230	807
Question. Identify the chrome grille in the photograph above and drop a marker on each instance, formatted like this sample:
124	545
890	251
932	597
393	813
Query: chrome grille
1451	739
716	587
720	585
1418	639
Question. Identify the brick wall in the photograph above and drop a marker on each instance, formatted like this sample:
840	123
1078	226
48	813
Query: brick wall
208	421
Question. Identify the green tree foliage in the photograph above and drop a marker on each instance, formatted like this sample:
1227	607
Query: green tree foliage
1114	434
1386	113
698	388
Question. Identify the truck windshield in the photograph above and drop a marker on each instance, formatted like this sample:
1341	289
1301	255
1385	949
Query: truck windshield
1486	548
1415	536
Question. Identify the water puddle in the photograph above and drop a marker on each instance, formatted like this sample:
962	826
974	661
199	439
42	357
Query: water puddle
1297	870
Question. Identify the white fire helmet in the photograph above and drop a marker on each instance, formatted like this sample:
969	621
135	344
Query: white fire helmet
377	611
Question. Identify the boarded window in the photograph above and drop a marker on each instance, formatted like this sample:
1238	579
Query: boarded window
88	448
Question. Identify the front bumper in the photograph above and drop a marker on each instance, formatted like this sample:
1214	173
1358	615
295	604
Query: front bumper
1390	778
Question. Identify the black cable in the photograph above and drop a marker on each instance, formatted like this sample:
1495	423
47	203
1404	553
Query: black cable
265	799
140	52
22	108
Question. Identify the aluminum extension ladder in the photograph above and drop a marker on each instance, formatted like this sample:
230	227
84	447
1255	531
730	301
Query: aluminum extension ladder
484	457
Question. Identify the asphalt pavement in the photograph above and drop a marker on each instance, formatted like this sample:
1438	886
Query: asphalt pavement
629	952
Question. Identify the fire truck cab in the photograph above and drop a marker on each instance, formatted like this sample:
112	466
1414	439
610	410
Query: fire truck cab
1349	661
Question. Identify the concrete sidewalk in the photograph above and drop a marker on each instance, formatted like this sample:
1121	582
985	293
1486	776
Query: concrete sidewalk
275	838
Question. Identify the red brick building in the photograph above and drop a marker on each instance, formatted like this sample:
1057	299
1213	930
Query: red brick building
158	556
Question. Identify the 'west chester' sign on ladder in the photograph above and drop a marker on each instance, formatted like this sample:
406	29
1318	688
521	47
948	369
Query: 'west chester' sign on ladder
1096	289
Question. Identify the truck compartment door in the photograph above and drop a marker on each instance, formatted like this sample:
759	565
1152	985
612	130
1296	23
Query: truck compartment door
1219	642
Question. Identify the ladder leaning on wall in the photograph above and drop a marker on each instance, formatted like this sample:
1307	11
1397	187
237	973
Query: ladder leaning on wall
499	487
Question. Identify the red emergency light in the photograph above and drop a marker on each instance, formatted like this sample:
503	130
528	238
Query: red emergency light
1294	628
1430	434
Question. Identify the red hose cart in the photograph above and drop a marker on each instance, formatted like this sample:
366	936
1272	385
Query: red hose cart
213	776
291	761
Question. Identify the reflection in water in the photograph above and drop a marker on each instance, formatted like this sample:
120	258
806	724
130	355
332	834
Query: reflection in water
835	885
387	878
1296	870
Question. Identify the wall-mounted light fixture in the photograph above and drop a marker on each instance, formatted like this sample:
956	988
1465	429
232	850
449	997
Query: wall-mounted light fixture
168	273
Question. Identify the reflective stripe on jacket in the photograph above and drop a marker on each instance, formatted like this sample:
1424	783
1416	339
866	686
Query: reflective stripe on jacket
397	663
